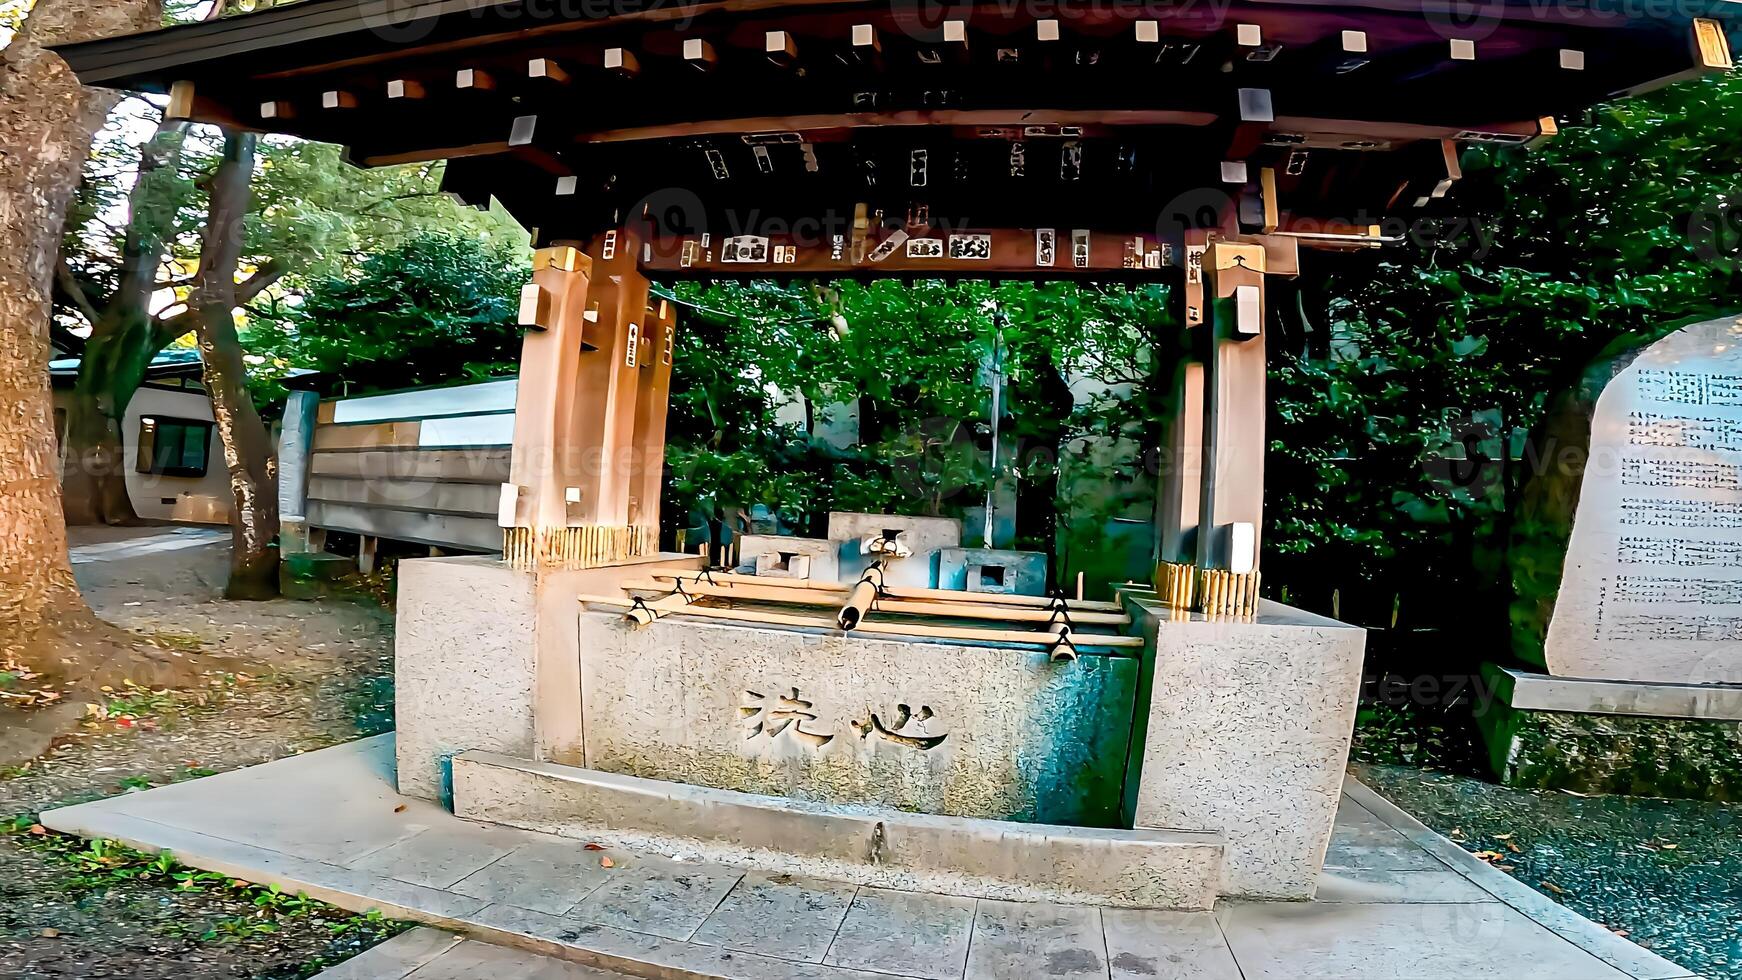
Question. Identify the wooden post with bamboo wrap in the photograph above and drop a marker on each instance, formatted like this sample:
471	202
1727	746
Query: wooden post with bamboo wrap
575	498
533	510
652	399
1231	490
1210	508
611	379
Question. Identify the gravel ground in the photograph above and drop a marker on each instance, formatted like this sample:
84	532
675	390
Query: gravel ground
316	674
1666	874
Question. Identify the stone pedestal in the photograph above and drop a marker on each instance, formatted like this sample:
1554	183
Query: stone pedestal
1237	728
1246	733
1602	736
486	658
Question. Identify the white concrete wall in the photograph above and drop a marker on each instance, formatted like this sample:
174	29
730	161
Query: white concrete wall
203	499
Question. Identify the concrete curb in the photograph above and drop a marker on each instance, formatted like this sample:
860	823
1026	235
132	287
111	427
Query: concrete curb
964	856
1631	959
604	947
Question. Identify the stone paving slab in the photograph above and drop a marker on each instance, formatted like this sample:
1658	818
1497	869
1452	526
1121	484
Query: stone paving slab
431	954
176	539
1396	900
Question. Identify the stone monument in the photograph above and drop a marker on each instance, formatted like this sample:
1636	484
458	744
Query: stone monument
1630	569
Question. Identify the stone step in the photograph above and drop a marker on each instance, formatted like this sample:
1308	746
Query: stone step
434	954
963	856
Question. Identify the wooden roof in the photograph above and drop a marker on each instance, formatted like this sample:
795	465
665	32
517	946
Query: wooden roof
1114	123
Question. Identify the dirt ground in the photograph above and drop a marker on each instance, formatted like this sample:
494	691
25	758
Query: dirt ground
309	675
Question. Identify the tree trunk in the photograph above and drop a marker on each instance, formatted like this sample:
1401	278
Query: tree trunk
122	343
46	123
247	455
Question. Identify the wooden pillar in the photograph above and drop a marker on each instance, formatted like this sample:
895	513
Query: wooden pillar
653	397
604	417
534	509
1231	494
1210	510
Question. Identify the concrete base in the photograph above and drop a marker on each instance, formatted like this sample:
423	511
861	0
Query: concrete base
996	732
822	555
1246	733
1607	736
992	570
926	536
877	847
487	658
1399	901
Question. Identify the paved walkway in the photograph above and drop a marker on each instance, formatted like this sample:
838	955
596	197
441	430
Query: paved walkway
149	544
1397	901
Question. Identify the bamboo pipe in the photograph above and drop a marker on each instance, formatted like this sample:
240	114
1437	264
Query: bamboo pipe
801	595
644	613
1045	638
859	599
914	592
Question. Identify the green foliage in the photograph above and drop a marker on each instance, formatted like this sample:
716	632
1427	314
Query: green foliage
1596	240
433	309
98	864
915	357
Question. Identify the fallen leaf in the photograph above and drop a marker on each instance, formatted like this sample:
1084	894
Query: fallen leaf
606	862
1669	847
595	847
1551	886
1503	836
1514	848
38	829
50	934
399	809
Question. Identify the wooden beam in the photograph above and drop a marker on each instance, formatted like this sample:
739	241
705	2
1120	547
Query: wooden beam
908	592
181	101
775	590
409	89
780	48
622	61
548	69
699	54
338	99
474	80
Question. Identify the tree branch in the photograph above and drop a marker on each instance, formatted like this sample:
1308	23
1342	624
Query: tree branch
267	273
75	291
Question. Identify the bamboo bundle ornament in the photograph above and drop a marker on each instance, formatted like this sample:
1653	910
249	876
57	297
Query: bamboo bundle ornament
1175	583
585	546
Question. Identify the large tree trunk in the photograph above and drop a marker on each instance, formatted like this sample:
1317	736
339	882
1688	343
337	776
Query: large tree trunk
247	454
122	343
46	123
